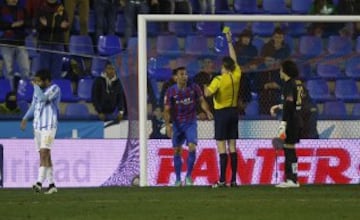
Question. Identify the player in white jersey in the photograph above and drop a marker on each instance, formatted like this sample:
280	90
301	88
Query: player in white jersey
44	109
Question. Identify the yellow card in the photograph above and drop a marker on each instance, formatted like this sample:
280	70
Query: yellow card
226	29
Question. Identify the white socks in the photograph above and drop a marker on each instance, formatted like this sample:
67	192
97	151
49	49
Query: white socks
45	173
49	175
41	174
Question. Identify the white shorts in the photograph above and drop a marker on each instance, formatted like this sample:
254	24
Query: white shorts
44	138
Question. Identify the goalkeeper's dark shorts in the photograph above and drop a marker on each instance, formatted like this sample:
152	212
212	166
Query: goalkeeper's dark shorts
293	131
226	124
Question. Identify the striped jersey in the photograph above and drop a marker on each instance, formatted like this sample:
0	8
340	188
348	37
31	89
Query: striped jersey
45	107
182	102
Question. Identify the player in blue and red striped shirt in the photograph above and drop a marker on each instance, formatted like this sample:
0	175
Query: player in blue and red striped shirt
180	110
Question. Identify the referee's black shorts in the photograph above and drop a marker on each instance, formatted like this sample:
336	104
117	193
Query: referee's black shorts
226	123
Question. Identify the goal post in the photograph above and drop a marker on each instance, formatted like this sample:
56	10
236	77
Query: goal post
143	19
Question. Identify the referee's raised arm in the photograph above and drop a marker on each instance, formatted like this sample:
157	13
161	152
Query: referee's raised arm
232	52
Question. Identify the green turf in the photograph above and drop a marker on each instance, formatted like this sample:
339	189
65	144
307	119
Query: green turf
336	202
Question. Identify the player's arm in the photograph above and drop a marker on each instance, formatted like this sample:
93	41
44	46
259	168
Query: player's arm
167	114
213	87
205	106
49	95
29	113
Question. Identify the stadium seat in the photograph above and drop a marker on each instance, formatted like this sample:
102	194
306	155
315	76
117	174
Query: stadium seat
30	43
222	7
328	71
263	29
310	46
334	110
5	87
76	111
193	68
209	29
84	89
236	27
357	49
346	90
35	64
197	45
252	108
319	90
153	29
25	90
161	74
168	45
97	66
81	45
246	7
301	6
180	29
356	110
352	67
67	94
339	46
109	45
275	7
296	29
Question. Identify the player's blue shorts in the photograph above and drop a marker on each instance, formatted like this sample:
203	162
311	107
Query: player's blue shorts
184	131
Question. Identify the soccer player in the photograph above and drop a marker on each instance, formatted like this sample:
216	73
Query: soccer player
44	109
225	89
180	110
290	126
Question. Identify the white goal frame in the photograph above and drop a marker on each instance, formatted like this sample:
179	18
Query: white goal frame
142	56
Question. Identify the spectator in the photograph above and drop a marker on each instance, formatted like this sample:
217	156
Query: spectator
245	51
105	14
158	125
132	9
207	4
52	22
203	78
10	106
83	8
323	7
267	79
13	22
107	95
348	7
181	7
165	86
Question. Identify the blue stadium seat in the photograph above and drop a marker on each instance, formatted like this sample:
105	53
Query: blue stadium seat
305	70
310	46
352	67
5	87
153	29
168	45
263	29
275	7
25	90
76	111
180	29
252	108
193	68
339	46
120	24
334	110
161	74
319	90
357	49
346	90
236	27
222	7
328	71
84	89
35	64
197	45
67	94
301	6
30	43
246	7
296	29
81	45
97	66
109	45
356	110
208	28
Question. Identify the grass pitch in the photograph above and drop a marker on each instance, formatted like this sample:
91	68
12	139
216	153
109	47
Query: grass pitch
338	202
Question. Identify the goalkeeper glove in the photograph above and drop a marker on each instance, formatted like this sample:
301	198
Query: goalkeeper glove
282	130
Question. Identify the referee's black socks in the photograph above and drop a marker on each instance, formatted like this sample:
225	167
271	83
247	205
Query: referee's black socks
290	164
223	163
233	157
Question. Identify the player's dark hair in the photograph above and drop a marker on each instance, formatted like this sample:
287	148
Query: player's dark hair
43	74
290	68
176	70
228	63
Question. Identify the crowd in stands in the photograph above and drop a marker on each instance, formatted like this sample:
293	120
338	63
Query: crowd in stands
48	27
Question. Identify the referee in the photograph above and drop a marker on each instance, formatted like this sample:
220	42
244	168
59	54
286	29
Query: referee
225	89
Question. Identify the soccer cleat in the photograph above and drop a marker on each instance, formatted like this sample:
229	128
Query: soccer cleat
288	184
37	187
219	185
52	189
177	183
188	181
233	184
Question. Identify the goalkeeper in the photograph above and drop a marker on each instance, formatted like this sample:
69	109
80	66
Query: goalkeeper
291	124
